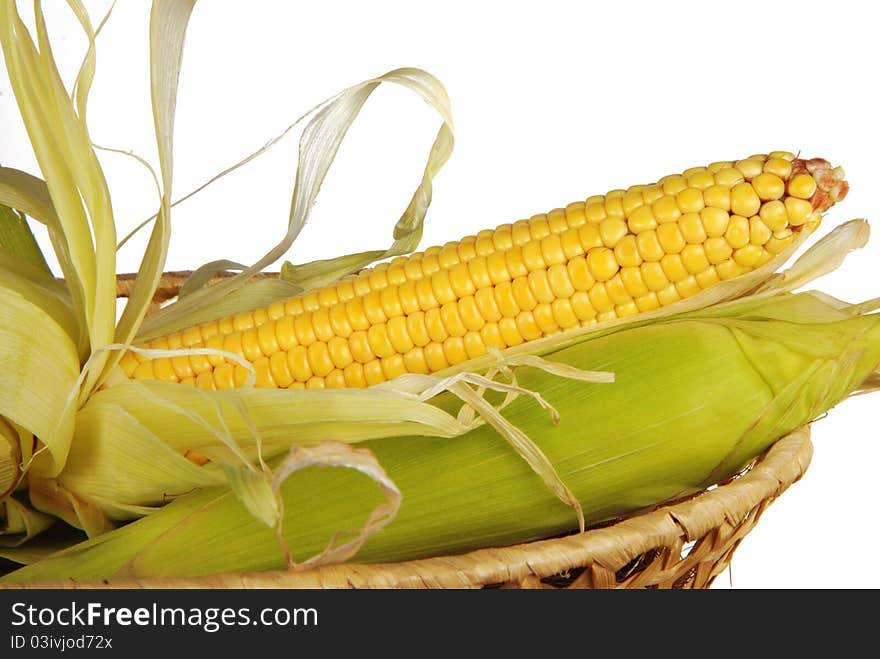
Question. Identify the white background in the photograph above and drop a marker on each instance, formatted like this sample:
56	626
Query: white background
552	101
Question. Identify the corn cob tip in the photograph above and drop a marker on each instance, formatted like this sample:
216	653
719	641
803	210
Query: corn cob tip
831	186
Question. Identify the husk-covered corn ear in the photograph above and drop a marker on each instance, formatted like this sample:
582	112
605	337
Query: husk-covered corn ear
695	398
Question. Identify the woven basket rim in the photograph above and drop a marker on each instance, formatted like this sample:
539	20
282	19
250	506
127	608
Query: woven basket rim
721	515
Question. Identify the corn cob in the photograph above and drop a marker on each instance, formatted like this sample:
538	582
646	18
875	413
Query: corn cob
608	257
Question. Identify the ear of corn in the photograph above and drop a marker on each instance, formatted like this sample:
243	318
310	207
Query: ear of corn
611	257
695	398
585	285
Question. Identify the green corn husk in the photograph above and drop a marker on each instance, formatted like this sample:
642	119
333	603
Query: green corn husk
696	397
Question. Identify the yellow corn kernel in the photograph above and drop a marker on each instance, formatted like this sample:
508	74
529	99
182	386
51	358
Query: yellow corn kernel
774	215
583	308
473	345
628	309
717	250
215	343
626	252
631	201
715	221
690	200
505	300
716	167
768	186
532	257
264	379
571	244
242	321
759	233
539	227
729	269
748	256
602	263
496	265
508	331
373	373
708	277
642	219
616	291
717	196
487	307
668	295
653	276
129	363
750	167
491	335
599	298
335	379
672	185
574	214
414	361
436	329
515	262
144	371
665	209
540	286
477	272
648	302
651	193
556	220
728	177
267	339
692	229
522	294
380	344
442	288
694	259
744	200
558	279
670	238
673	267
778	166
389	299
543	315
802	186
224	377
611	230
687	286
701	179
240	375
589	237
451	319
595	211
563	313
614	207
797	210
470	314
632	280
354	375
649	246
205	381
551	249
737	233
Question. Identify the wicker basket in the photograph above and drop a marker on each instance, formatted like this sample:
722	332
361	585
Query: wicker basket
686	544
